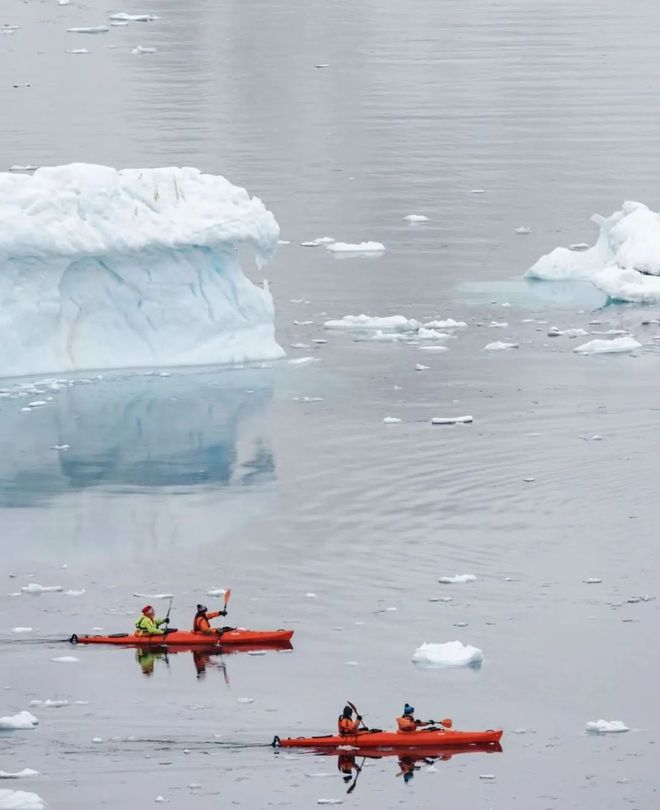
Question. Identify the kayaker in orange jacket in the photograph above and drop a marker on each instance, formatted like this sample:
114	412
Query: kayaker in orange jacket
201	623
407	721
346	724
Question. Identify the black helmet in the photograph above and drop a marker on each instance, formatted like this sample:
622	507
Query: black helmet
348	712
201	608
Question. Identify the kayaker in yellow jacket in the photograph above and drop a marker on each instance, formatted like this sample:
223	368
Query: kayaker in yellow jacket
148	624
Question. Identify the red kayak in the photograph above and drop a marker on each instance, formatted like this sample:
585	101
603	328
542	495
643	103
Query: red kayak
399	740
231	637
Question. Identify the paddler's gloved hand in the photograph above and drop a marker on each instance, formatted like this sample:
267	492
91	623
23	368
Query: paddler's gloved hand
223	612
359	718
166	621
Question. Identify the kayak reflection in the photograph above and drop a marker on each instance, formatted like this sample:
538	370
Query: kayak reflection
204	658
350	763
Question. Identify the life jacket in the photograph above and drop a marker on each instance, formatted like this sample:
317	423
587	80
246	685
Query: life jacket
146	626
201	623
406	723
346	726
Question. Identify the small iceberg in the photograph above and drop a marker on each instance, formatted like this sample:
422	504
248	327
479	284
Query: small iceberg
606	727
122	16
216	592
448	323
457	578
368	323
449	654
619	345
20	800
416	218
33	587
500	346
49	703
18	722
140	49
359	247
391	420
452	420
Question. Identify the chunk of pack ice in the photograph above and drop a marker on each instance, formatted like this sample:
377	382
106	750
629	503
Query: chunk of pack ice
80	592
329	801
449	654
416	218
606	727
153	595
122	16
20	800
592	581
63	2
78	50
523	230
570	333
448	323
318	242
21	630
50	703
433	349
391	420
452	420
499	346
33	587
245	700
423	333
420	367
93	29
140	49
18	774
65	659
497	325
456	578
367	323
614	346
216	592
18	722
355	247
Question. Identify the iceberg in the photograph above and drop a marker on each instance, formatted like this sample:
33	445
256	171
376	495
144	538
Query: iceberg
449	654
102	268
606	727
18	722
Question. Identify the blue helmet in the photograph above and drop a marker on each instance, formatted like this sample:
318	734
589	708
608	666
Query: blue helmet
408	709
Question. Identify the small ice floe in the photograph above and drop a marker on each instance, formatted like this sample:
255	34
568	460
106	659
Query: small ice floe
500	346
18	774
303	361
63	2
367	323
497	325
308	399
245	700
310	595
477	191
579	246
257	652
391	420
153	595
21	630
614	346
606	727
570	333
329	801
423	333
33	587
300	345
413	218
319	341
457	578
50	703
8	29
303	323
449	654
117	24
322	65
159	799
80	592
97	739
356	247
141	49
20	800
65	659
94	29
17	168
18	722
523	230
216	592
440	598
122	16
420	367
318	242
351	663
447	323
487	776
433	349
78	50
452	420
592	581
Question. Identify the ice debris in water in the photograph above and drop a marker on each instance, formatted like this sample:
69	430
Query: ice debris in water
94	29
391	323
498	325
433	349
448	323
94	244
18	722
592	581
20	800
359	247
606	726
329	801
78	50
303	361
18	774
420	367
50	703
63	2
321	240
416	218
122	16
523	230
97	739
391	420
153	595
140	49
33	587
614	346
457	578
499	346
245	700
423	333
80	592
570	333
65	659
452	420
21	630
449	654
216	592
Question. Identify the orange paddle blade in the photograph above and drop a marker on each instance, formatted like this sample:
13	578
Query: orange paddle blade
447	722
227	596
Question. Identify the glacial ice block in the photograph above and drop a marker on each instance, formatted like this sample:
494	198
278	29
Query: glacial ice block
121	269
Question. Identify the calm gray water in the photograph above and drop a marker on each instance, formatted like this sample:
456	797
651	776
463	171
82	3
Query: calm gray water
210	478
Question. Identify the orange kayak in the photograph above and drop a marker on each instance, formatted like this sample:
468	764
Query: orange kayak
399	740
229	638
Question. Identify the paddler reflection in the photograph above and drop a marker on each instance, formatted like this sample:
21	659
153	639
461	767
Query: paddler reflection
147	657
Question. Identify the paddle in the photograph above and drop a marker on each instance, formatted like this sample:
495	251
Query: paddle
447	722
351	787
227	597
353	706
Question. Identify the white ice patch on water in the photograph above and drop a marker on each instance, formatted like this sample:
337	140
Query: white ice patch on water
449	654
457	578
367	323
34	588
357	247
50	703
18	774
122	16
65	659
606	727
423	333
21	630
391	420
448	323
20	800
500	346
153	595
452	420
141	49
614	346
318	242
93	29
216	592
18	722
130	268
416	218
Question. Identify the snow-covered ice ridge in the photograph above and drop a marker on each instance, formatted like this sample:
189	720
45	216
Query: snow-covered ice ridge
121	269
624	262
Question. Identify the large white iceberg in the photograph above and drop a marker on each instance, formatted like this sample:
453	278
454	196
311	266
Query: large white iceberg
112	269
624	262
606	727
18	722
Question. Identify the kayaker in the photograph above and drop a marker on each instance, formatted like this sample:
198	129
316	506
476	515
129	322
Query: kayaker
407	721
148	624
346	724
202	624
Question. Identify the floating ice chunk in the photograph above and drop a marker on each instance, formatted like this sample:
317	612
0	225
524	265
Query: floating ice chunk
448	323
141	49
452	420
570	333
457	578
117	24
60	447
50	704
391	420
159	799
579	246
153	595
122	16
18	774
304	361
498	325
18	168
94	29
65	659
606	727
433	349
523	230
216	592
310	595
416	218
487	776
319	241
431	334
34	588
80	592
245	700
358	247
78	50
592	581
614	346
18	722
420	367
449	654
300	345
329	801
477	191
63	2
20	800
97	739
366	323
499	346
21	630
